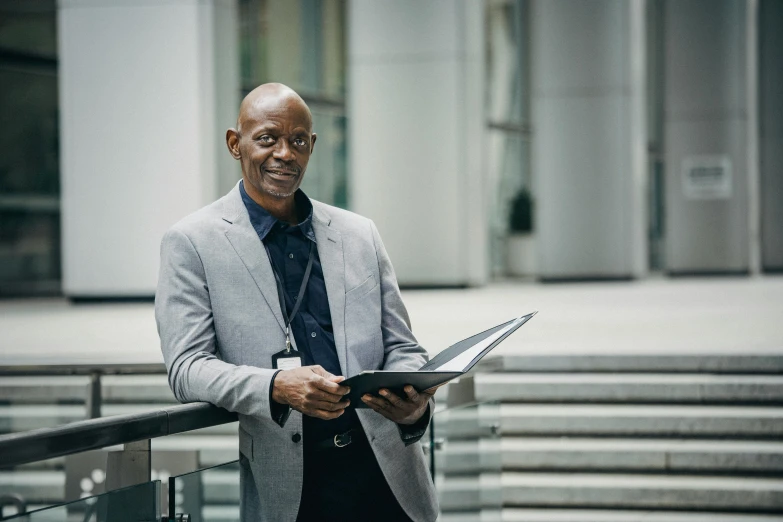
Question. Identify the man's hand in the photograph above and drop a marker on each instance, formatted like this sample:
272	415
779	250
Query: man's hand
312	391
401	411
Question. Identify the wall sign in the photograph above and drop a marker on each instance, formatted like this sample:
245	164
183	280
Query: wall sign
707	177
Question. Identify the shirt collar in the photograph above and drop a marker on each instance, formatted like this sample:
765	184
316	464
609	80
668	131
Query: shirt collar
263	222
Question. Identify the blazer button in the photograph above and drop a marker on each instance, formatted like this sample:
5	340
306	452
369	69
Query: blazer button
296	437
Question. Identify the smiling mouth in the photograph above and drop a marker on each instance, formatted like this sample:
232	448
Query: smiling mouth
282	173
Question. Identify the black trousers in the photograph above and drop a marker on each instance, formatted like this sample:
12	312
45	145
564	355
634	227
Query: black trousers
346	485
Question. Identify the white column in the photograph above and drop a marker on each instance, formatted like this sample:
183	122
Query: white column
147	90
416	144
589	138
706	108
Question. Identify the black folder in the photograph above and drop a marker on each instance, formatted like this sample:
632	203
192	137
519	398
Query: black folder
454	361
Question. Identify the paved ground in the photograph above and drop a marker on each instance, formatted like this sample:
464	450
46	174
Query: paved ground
655	316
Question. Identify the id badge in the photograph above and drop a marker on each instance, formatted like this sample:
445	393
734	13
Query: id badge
286	360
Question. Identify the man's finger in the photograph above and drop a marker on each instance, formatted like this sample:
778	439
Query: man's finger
321	395
329	406
412	394
331	387
377	402
392	398
326	415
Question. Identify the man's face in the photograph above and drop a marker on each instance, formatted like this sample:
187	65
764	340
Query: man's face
274	143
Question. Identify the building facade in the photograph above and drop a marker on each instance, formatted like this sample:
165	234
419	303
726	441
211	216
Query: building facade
616	138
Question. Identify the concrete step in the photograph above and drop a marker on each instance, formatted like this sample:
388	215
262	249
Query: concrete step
150	389
611	491
599	515
621	388
22	417
45	487
580	454
221	487
625	363
225	513
681	421
43	390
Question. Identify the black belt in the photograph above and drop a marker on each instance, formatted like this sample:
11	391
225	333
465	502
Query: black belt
340	440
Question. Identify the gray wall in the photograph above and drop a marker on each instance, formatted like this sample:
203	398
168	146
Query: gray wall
589	145
416	134
771	135
147	90
705	115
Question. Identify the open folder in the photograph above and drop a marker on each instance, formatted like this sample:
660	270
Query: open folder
449	364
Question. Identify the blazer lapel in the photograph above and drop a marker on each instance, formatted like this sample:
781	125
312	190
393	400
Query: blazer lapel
330	252
249	248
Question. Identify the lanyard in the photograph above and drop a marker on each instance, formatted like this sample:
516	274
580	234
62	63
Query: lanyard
281	293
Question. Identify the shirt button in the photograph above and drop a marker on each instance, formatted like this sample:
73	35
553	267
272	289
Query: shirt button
296	437
312	334
290	256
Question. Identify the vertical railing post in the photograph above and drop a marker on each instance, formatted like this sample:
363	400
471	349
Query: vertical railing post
130	466
94	396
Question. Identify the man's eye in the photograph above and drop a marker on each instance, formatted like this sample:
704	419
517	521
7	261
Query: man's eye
299	142
266	139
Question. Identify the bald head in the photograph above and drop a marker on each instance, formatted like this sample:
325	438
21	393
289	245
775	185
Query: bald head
272	98
273	141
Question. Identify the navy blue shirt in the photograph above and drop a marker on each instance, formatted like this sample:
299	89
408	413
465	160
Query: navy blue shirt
289	247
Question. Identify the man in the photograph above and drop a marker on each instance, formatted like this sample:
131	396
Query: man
266	300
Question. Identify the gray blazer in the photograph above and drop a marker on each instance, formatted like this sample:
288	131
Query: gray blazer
219	321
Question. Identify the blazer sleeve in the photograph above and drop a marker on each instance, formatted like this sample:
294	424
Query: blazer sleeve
187	335
401	349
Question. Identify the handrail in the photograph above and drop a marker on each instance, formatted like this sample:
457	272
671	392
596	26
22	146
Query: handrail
82	369
46	443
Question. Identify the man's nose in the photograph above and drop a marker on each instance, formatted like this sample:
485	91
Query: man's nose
283	151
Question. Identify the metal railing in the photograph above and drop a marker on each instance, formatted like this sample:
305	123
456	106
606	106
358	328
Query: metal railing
132	432
46	443
94	398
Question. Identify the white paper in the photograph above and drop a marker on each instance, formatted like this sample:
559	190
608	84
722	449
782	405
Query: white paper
460	362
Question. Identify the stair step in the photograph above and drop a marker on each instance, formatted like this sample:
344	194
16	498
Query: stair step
136	388
21	417
667	455
706	363
685	492
625	420
614	388
43	487
43	390
598	515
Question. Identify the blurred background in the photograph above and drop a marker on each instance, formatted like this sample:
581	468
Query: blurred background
615	164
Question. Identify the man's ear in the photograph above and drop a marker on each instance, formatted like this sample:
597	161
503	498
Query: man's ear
232	142
312	142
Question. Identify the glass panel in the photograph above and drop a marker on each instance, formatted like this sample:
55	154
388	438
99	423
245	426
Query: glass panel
298	43
29	157
301	43
207	495
468	459
140	503
326	179
28	26
507	62
509	169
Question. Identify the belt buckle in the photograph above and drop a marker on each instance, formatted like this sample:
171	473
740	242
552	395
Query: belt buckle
338	440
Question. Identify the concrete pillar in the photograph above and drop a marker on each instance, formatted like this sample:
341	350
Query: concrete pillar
416	134
771	135
147	90
589	138
706	132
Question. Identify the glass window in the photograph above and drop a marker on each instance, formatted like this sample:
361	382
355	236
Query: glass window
301	43
29	159
508	112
